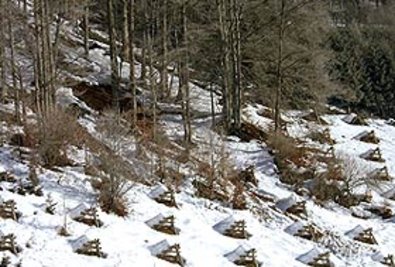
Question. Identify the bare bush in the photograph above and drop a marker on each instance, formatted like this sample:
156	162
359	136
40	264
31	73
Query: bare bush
322	137
113	131
355	174
289	156
52	137
285	148
217	172
340	182
118	175
114	184
323	189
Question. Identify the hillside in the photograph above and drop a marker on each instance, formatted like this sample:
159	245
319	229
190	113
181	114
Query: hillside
251	198
127	241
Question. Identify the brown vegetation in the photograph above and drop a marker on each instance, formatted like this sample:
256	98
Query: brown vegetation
52	136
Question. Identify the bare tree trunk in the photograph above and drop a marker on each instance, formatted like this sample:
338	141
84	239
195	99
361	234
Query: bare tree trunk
279	68
185	77
23	94
50	57
38	68
236	45
164	72
212	100
125	30
86	28
113	54
14	74
225	62
152	81
44	63
25	7
132	77
3	85
143	73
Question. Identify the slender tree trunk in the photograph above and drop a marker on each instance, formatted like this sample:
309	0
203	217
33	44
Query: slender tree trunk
236	63
113	54
44	55
152	81
164	72
3	85
38	83
86	28
25	7
50	57
225	62
279	74
184	76
212	100
125	30
144	44
23	94
132	77
13	73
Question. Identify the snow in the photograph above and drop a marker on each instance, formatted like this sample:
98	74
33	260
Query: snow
126	240
349	118
367	153
224	225
295	228
390	193
75	212
379	257
309	256
155	220
286	203
159	190
159	247
79	242
360	135
237	253
355	232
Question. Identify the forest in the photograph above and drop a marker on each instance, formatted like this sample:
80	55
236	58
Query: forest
197	133
281	53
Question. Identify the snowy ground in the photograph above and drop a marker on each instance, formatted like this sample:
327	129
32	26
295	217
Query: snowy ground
127	240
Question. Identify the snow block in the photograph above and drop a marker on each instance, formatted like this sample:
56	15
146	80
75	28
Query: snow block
316	258
243	256
163	224
171	253
232	228
162	195
362	235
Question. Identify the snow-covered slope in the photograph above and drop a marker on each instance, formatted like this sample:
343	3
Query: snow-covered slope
131	241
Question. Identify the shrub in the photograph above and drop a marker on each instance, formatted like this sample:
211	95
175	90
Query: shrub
324	190
286	149
339	181
289	157
116	180
110	203
52	136
321	137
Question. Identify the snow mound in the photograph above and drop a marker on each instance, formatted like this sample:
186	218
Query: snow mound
158	190
355	232
224	225
295	228
310	256
159	247
76	212
79	242
237	253
286	203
